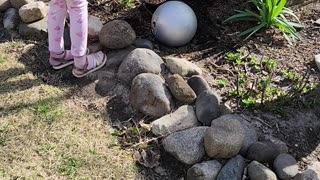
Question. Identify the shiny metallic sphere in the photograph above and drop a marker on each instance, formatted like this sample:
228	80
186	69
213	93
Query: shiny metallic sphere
174	23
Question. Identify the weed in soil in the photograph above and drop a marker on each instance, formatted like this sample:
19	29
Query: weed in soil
259	81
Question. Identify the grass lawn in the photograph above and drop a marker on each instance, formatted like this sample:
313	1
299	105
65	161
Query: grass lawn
45	135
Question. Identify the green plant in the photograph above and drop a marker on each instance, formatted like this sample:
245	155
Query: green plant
236	57
222	82
47	112
255	63
249	102
70	167
4	135
270	64
126	4
270	13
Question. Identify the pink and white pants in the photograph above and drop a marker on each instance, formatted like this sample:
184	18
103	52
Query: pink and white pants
78	12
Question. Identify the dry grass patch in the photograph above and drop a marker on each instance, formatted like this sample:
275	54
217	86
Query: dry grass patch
44	135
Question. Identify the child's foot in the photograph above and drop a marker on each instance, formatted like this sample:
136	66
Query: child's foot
62	60
59	61
92	63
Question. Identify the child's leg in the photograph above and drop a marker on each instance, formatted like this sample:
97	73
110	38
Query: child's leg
78	10
56	21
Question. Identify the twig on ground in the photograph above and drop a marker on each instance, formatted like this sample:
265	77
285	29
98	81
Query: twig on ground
262	121
144	142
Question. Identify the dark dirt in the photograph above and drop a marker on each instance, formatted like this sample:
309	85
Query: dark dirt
299	127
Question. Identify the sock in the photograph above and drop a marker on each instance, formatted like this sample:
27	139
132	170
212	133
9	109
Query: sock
57	54
80	62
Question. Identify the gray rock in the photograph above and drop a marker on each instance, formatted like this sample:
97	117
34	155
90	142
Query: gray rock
207	107
224	138
282	146
180	89
182	67
94	47
11	19
198	84
143	43
117	34
115	57
37	29
233	170
150	95
317	60
18	3
257	171
251	136
4	5
311	173
250	133
187	145
224	110
263	152
183	118
33	11
285	166
204	171
137	62
94	28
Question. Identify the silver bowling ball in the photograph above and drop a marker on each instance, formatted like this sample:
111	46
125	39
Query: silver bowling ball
174	23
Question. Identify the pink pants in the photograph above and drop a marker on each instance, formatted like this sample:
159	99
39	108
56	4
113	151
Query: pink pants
78	11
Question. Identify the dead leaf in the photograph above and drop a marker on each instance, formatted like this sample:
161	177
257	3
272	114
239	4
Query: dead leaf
145	126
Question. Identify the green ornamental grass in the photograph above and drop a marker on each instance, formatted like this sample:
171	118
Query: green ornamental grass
270	13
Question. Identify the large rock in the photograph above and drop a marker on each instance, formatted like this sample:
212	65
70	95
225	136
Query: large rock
285	166
187	145
11	19
233	170
94	28
137	62
224	109
150	95
143	43
282	146
116	57
311	173
18	3
204	171
250	135
182	118
263	152
37	29
258	171
94	47
4	5
33	11
198	84
117	34
180	89
224	138
182	67
207	107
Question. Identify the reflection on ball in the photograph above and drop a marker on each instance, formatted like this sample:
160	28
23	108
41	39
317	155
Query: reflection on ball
174	23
